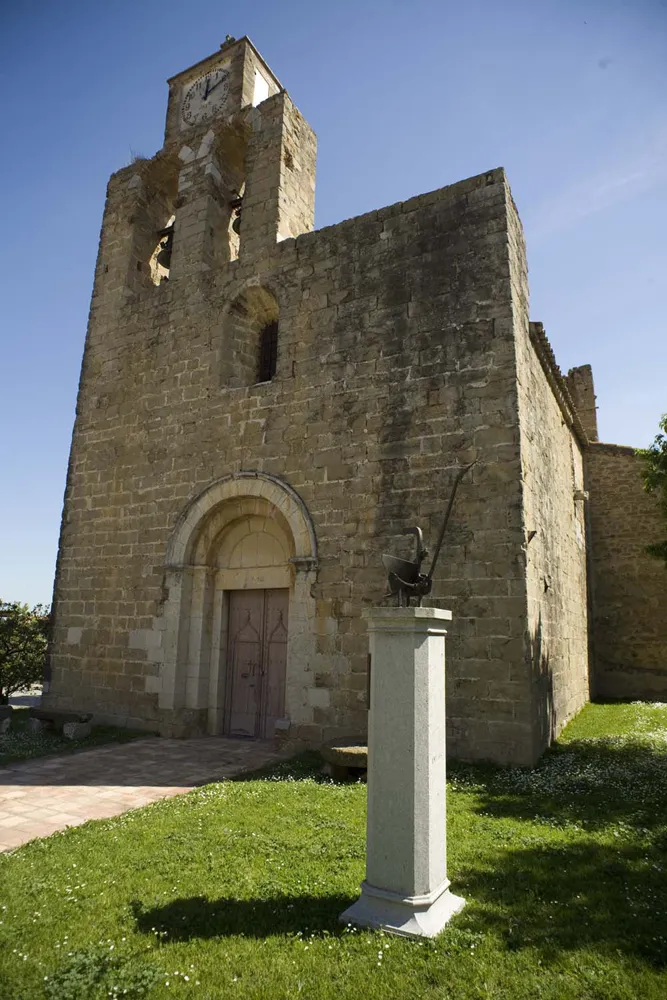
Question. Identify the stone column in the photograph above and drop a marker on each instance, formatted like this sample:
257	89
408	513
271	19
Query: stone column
406	890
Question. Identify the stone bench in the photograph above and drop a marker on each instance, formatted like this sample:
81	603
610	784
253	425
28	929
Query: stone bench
73	725
345	760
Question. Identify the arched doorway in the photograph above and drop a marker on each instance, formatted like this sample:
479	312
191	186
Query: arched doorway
239	570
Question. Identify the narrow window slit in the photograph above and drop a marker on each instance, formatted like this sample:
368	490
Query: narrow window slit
268	352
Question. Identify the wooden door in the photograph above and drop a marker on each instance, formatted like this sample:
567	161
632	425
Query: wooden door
256	661
244	659
274	659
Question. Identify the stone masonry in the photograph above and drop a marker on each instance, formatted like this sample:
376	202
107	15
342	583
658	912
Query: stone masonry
629	627
403	350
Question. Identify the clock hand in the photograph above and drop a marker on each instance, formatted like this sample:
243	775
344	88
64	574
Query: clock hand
221	80
208	89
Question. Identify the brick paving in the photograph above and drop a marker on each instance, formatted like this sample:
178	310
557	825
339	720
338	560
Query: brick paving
38	797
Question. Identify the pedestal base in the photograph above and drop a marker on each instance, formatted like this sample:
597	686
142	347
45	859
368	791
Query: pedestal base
409	916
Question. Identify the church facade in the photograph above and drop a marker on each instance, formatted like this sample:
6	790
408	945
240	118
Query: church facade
265	409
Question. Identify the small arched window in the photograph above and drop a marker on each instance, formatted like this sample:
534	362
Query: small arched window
250	344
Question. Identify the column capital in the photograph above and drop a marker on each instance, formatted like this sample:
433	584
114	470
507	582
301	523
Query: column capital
304	564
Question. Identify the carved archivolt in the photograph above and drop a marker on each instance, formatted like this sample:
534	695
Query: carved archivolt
217	505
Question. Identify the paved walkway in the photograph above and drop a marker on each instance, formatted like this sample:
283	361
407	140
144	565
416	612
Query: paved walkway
38	797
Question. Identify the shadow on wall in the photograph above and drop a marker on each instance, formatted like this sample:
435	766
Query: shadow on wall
544	713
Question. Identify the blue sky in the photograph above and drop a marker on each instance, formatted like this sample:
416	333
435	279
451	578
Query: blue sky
570	97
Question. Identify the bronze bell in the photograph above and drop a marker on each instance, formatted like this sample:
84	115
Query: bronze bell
164	256
235	206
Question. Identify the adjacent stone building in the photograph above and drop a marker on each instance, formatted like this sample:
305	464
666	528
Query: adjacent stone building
264	410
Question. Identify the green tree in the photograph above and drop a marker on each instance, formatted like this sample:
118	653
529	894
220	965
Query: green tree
655	481
23	635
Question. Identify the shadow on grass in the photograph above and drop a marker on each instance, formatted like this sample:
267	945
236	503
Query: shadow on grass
596	784
576	897
198	917
579	891
20	746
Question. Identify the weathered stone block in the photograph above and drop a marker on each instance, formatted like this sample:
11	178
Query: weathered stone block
77	730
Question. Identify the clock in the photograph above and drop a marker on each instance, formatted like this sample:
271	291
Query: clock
206	97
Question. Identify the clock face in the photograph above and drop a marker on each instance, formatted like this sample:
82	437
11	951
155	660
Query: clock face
206	97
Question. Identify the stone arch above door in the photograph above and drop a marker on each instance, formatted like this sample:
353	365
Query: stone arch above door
246	531
279	494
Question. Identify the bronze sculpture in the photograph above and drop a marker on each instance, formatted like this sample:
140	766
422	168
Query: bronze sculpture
406	579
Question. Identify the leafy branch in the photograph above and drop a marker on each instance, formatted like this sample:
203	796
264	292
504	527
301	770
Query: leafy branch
655	481
23	638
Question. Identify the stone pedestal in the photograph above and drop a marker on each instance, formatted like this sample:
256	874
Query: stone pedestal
406	890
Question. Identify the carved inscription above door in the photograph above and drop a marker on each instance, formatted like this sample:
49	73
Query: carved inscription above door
256	661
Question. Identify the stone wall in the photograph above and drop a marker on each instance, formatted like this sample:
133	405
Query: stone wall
404	351
555	541
395	364
579	382
629	586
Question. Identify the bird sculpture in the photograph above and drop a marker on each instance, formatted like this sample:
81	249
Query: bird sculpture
406	580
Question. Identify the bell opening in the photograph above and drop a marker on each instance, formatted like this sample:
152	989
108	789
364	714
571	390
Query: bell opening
160	260
235	224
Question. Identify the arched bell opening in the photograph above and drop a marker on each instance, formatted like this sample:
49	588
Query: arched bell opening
160	260
235	222
154	185
239	579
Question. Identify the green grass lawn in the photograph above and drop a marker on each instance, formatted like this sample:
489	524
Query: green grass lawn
19	744
235	889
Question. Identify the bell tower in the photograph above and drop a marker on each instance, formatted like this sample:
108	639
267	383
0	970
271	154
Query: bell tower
235	175
178	322
246	159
